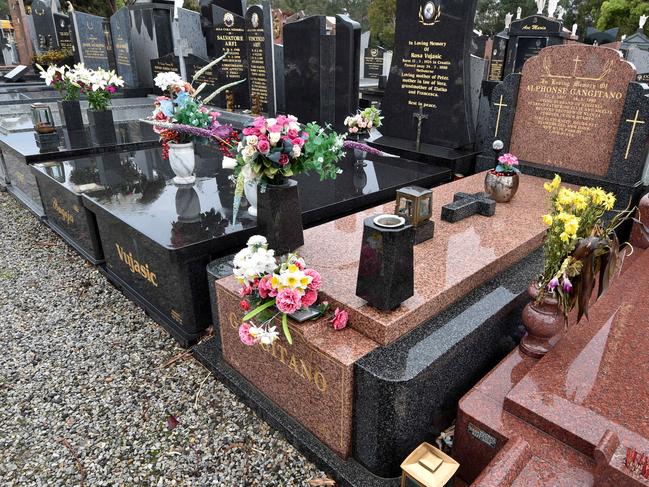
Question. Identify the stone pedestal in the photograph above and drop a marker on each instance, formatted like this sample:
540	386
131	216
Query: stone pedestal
279	216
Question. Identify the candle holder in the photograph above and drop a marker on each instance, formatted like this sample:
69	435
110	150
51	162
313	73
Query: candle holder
415	204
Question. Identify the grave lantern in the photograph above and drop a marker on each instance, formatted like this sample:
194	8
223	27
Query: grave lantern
42	118
427	466
416	205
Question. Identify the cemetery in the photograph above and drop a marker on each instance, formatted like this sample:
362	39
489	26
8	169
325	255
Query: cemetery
269	243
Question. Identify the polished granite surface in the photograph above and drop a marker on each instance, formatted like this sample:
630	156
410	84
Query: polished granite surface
137	188
129	133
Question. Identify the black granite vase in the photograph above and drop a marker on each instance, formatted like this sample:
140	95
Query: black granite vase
279	216
70	112
102	127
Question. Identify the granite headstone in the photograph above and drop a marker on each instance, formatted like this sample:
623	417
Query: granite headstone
209	77
230	37
44	28
62	26
168	62
261	55
120	23
90	43
347	79
528	36
373	62
108	41
430	69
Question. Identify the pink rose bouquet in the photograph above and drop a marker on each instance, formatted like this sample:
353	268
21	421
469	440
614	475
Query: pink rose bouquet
271	287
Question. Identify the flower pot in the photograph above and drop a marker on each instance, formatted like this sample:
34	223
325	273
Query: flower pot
70	112
279	216
182	160
250	190
543	321
501	188
102	127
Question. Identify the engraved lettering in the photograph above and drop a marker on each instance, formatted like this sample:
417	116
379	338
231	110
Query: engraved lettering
135	266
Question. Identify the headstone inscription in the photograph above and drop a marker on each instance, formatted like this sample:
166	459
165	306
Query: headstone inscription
90	43
150	32
209	77
44	29
261	55
108	41
528	36
430	69
373	62
120	24
63	35
497	60
168	62
230	37
575	110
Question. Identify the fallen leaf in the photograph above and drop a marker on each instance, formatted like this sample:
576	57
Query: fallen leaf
321	481
172	422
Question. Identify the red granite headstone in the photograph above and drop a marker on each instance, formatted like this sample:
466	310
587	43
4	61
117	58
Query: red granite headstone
569	106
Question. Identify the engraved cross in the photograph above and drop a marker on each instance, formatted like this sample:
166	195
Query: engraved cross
500	106
420	118
635	122
577	61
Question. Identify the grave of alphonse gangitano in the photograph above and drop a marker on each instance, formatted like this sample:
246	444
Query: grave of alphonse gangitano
578	111
430	75
392	378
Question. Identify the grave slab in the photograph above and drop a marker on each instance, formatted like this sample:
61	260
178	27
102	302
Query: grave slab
143	219
577	409
463	317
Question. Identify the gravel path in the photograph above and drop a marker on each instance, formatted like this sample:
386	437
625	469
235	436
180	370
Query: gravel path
87	394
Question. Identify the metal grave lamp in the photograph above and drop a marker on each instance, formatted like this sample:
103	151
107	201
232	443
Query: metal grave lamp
46	137
415	204
427	466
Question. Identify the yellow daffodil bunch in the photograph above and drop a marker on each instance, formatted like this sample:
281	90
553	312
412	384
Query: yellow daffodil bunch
574	222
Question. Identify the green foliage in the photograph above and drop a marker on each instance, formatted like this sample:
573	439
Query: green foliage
357	9
382	20
322	152
624	14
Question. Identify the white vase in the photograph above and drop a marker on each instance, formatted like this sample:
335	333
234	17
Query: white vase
182	160
250	190
229	162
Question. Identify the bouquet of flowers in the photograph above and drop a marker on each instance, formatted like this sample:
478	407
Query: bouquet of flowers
99	85
364	120
64	79
181	115
578	244
507	165
285	284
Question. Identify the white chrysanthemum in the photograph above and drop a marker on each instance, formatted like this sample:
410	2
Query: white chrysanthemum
167	79
257	241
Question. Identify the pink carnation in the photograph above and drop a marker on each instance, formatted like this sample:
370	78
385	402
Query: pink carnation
288	300
508	159
309	298
340	318
245	291
250	131
316	280
245	336
265	287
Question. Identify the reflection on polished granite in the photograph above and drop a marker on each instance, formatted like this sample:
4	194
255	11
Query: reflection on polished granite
128	135
137	189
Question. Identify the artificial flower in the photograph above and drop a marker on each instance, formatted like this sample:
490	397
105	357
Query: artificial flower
340	319
245	336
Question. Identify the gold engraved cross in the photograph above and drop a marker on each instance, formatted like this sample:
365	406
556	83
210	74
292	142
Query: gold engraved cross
635	122
500	106
577	61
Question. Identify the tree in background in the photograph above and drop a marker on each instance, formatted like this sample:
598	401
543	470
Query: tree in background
356	9
624	14
382	20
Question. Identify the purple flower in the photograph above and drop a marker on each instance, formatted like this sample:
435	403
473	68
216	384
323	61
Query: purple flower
552	285
348	144
567	285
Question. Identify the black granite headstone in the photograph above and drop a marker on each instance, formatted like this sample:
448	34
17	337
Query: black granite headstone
259	36
478	44
120	24
44	29
309	70
62	26
210	77
528	36
90	43
497	61
151	37
373	62
600	37
430	69
108	40
169	62
230	36
348	52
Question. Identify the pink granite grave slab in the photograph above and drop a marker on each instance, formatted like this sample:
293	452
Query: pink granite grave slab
569	105
596	378
460	257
